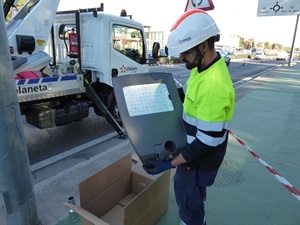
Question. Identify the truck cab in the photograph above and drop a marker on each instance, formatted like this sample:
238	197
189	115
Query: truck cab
108	46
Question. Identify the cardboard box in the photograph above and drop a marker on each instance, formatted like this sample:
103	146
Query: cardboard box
123	194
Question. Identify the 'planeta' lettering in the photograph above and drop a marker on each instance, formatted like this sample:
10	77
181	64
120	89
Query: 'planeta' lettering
32	89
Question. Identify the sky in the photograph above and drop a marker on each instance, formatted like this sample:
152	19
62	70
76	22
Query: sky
231	16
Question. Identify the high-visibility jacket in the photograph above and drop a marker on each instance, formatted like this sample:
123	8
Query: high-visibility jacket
207	111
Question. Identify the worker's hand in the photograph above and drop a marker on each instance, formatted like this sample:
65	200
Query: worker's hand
155	167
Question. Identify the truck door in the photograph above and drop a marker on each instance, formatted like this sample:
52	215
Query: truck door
128	53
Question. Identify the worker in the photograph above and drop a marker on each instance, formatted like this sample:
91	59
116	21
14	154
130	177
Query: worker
208	108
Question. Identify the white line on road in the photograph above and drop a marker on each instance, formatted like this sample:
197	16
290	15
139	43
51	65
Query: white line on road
72	151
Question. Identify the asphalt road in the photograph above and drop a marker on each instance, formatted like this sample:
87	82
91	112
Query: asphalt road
52	143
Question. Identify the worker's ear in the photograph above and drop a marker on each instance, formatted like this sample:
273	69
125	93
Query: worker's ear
203	47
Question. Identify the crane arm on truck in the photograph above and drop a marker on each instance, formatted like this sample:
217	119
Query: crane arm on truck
90	92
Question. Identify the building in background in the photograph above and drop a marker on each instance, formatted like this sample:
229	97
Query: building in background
154	36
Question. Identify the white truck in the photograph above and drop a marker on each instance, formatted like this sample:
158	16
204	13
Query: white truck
64	62
281	55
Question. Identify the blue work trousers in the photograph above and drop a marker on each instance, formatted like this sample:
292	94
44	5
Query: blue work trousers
190	191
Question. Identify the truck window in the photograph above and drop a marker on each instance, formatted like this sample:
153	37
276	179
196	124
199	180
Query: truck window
128	41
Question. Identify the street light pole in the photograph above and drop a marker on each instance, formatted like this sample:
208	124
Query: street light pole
17	199
294	39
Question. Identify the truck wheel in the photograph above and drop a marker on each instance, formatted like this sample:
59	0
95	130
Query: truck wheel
114	110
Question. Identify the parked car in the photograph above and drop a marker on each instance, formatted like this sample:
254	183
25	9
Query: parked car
259	56
225	55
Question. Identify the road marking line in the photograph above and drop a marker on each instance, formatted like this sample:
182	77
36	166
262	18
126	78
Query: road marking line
70	152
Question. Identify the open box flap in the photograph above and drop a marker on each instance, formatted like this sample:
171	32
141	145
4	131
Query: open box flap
87	215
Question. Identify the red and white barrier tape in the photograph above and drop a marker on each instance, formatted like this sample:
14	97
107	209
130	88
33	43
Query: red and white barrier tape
278	177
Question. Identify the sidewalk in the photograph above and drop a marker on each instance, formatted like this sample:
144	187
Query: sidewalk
245	192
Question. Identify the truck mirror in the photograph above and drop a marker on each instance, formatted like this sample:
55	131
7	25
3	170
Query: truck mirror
167	50
155	50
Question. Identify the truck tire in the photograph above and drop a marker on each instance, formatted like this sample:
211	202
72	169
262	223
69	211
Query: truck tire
114	111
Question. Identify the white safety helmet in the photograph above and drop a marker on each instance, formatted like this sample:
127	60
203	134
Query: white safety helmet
192	28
